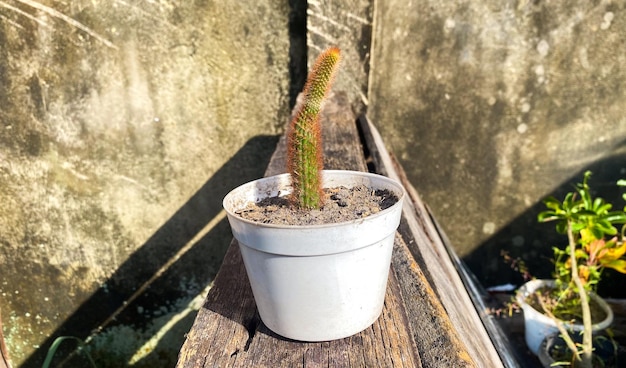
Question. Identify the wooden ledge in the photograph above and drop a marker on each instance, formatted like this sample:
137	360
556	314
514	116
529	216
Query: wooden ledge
428	319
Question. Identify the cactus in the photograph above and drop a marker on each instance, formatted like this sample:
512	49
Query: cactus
304	153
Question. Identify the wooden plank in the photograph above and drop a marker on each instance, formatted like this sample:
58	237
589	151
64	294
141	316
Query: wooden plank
502	341
416	328
225	321
436	338
244	342
383	344
227	331
427	248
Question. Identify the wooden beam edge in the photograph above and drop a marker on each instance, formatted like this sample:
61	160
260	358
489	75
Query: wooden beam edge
459	305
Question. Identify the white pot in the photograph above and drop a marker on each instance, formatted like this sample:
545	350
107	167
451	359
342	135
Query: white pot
538	326
318	282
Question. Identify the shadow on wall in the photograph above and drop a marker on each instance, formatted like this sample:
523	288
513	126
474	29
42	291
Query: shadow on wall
531	241
187	249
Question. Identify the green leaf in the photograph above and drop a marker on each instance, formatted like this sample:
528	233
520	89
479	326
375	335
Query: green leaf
605	227
55	346
584	212
548	216
581	254
601	207
597	233
616	217
561	227
568	202
552	203
597	203
577	226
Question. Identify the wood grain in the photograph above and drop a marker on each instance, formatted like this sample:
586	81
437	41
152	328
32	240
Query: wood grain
426	242
414	330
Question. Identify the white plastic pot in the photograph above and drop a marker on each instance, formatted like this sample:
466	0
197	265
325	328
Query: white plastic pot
605	349
538	326
318	282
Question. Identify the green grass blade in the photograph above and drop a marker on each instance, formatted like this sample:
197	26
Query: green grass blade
55	346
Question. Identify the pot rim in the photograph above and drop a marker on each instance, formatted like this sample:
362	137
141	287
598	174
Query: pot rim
548	342
313	240
284	183
529	287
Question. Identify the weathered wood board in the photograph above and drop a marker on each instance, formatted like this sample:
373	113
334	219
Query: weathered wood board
416	328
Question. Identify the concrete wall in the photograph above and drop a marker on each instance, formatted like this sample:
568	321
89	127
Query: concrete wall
492	105
122	125
347	24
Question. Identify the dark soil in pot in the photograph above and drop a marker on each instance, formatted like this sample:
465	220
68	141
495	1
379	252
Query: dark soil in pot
341	204
607	353
598	314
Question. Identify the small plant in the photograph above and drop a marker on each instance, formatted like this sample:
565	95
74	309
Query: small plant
55	345
276	221
304	160
594	243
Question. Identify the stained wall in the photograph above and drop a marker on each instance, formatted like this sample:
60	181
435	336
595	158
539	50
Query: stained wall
492	105
122	125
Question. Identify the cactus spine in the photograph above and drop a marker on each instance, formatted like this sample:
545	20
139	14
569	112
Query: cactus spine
304	160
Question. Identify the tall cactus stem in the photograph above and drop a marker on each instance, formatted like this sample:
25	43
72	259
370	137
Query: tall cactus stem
304	153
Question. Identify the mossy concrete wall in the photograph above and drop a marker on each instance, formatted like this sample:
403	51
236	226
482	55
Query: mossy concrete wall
120	127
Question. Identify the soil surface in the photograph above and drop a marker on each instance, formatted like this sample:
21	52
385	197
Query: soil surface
597	313
341	204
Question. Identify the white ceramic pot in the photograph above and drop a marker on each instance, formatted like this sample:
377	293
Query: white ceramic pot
318	282
538	326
